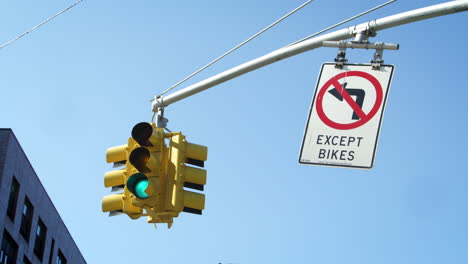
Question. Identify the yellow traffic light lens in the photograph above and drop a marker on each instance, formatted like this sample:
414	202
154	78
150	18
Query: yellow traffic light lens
138	158
137	184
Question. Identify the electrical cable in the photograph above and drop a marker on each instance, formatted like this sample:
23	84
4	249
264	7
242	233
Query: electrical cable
40	24
342	22
236	47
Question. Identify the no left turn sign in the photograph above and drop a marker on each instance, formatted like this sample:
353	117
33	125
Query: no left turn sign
346	115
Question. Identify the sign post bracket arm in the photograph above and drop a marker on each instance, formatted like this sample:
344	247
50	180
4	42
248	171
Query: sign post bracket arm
289	51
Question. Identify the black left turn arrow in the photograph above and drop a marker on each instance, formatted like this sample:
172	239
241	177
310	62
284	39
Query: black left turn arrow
359	93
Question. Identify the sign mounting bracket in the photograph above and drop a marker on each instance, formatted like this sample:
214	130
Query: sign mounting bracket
343	45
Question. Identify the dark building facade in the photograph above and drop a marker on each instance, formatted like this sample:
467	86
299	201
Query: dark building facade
31	230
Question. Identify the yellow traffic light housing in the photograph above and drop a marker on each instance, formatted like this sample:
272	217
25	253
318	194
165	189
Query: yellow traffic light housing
120	203
147	159
147	186
154	176
180	175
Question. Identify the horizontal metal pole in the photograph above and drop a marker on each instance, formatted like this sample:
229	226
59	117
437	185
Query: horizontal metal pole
352	45
286	52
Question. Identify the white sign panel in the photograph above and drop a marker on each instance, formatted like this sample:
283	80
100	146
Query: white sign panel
345	116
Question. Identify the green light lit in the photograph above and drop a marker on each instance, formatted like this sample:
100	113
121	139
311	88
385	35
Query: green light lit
137	184
140	188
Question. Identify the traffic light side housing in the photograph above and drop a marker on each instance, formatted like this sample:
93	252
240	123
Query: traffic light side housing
180	175
121	202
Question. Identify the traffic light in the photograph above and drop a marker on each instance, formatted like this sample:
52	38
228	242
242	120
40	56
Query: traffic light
146	184
155	175
180	175
121	202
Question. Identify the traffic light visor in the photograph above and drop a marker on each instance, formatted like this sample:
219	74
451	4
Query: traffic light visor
138	184
141	132
139	157
112	203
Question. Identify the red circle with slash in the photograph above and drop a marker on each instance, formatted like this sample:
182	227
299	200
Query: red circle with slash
363	117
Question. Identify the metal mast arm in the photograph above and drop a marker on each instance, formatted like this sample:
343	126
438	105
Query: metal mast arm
286	52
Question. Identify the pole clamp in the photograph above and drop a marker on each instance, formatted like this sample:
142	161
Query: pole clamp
362	34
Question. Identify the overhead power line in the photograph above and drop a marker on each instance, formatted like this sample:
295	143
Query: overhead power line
238	46
342	22
40	24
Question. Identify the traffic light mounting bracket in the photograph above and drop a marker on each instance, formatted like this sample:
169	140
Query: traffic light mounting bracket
161	121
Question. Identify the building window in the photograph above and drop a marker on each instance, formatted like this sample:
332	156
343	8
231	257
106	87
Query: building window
26	260
39	243
61	258
51	251
26	219
9	249
14	191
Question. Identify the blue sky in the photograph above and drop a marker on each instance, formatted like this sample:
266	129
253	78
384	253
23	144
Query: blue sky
77	86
